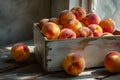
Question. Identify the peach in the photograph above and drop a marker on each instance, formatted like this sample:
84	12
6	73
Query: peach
73	64
67	33
60	26
83	25
65	16
84	32
117	32
91	18
73	24
20	52
96	29
42	22
107	34
108	25
56	21
51	30
79	12
112	61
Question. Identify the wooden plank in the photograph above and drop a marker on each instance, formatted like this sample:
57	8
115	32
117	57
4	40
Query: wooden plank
114	77
88	74
8	64
35	71
28	72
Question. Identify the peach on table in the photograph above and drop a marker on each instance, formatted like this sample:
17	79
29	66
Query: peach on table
112	61
73	63
20	52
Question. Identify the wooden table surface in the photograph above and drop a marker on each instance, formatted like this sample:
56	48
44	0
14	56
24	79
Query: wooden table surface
32	70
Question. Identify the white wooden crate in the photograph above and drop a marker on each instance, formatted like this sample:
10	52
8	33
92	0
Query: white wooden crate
50	53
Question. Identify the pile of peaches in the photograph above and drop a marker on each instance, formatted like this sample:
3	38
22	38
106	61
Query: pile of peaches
76	23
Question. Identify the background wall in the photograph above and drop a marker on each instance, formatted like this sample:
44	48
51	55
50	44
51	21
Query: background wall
74	3
59	5
18	16
108	8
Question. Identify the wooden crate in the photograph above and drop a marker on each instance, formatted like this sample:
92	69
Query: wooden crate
50	53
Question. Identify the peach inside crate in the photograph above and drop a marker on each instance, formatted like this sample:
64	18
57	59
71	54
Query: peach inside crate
50	53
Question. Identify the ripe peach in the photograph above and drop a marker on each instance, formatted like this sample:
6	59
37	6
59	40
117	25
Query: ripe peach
42	22
85	32
54	20
112	61
20	52
67	33
83	25
117	32
51	30
91	18
73	64
65	16
73	24
108	25
79	12
60	26
96	29
107	34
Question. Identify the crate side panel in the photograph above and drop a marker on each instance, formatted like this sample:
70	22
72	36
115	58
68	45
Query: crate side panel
39	43
93	50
